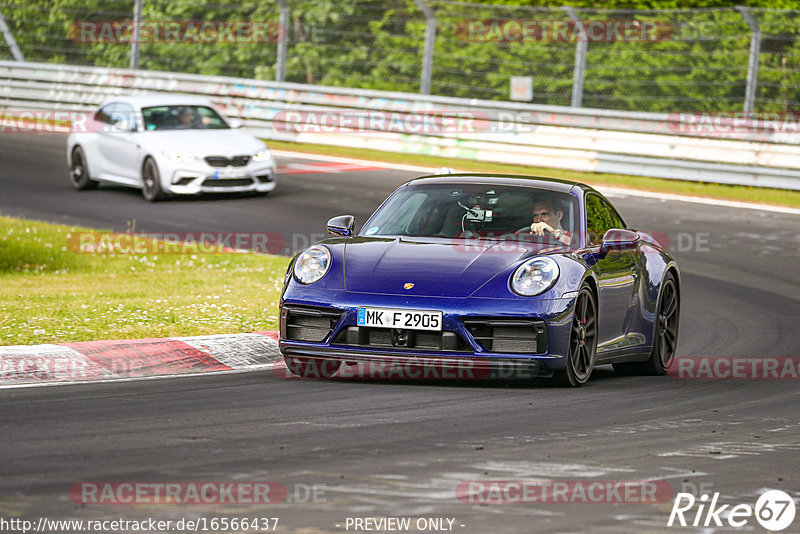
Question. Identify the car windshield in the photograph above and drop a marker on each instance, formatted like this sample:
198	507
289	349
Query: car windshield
182	118
482	211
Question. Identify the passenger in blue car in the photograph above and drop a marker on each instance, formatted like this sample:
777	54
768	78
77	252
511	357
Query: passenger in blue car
547	220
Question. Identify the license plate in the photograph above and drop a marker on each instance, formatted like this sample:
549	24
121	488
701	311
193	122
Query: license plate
405	319
226	175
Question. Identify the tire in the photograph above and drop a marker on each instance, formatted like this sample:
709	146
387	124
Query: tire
151	181
582	341
79	171
312	367
665	334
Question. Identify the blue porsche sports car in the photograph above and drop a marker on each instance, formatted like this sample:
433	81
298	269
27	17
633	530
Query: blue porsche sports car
488	273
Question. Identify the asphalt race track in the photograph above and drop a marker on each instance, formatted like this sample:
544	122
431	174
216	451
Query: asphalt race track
400	449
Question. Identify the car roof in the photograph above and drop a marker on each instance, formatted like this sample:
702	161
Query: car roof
539	182
155	99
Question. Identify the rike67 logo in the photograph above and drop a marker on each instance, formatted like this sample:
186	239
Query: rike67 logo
774	510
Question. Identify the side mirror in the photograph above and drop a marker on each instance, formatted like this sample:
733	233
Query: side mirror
235	123
616	239
342	225
124	126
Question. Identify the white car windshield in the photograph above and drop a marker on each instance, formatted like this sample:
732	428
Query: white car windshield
182	118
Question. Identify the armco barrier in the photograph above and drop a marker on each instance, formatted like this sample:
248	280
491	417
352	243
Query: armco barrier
638	144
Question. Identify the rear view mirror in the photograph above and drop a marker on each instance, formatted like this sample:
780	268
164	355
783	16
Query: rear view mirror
342	225
124	126
235	123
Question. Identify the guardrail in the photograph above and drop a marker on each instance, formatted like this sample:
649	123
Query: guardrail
639	144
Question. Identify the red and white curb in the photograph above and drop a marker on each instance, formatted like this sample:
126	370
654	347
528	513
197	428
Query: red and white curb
93	361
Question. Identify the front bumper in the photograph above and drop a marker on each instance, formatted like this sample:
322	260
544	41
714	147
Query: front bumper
555	314
253	177
393	366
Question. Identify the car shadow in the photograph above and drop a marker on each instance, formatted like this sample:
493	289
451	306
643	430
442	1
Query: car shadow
601	374
133	192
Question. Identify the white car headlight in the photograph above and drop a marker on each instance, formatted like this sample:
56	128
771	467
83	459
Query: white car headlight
183	157
262	155
535	276
312	264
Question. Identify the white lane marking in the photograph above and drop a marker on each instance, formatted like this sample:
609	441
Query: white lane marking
263	367
353	161
524	469
20	364
726	450
697	200
603	189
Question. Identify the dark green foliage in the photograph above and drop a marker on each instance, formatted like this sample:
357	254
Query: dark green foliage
698	61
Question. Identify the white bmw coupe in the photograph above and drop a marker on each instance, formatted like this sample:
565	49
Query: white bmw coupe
167	145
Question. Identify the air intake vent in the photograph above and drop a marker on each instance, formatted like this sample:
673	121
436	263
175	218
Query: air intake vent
518	336
227	182
363	336
307	323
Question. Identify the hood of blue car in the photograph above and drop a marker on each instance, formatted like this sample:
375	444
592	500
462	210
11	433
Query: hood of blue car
435	267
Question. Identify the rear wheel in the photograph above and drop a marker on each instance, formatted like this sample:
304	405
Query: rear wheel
79	171
312	367
665	335
151	181
582	342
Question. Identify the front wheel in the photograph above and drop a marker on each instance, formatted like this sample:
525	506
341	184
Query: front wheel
151	181
79	171
582	341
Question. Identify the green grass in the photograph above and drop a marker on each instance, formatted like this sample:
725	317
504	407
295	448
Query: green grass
778	197
50	294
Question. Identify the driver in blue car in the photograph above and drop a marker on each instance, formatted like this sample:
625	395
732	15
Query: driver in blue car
547	221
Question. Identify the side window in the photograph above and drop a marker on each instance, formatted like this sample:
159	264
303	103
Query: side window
104	114
616	219
598	219
123	113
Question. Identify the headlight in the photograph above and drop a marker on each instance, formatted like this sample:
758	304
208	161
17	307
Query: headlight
183	157
263	155
535	276
312	264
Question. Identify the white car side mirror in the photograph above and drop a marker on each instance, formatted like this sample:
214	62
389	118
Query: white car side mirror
235	123
124	126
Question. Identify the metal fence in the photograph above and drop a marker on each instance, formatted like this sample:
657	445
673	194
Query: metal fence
721	59
638	144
